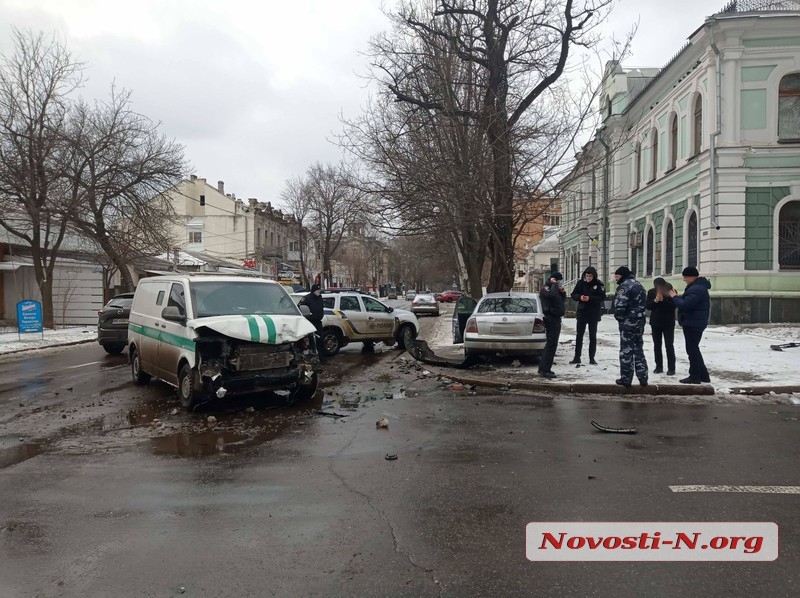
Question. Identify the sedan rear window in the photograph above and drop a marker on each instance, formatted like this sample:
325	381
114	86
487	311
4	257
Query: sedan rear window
508	305
240	298
120	302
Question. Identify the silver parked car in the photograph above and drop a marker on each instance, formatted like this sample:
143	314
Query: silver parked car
425	303
505	323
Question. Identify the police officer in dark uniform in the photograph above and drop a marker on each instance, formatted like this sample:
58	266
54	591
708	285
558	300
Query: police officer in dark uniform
629	311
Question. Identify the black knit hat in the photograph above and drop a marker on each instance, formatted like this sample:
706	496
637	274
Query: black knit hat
314	287
557	275
623	271
690	271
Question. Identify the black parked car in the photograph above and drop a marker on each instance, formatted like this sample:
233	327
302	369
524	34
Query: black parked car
112	323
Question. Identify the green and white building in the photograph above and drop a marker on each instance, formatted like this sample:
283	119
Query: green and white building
698	163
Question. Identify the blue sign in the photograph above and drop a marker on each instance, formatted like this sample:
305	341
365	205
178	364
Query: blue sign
29	316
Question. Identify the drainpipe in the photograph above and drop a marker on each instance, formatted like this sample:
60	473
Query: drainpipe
715	134
605	201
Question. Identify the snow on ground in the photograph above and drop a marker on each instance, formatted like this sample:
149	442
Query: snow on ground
11	342
736	355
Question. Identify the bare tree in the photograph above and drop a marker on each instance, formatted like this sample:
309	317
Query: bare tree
120	167
34	84
296	196
518	50
335	207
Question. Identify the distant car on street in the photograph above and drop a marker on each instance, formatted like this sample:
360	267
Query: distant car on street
501	323
112	323
449	296
410	295
425	303
392	295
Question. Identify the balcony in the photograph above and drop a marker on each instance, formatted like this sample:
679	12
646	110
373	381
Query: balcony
273	251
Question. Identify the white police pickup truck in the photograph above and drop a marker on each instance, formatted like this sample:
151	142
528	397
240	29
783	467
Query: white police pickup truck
356	317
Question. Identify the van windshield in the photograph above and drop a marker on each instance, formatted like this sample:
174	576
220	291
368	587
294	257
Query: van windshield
240	298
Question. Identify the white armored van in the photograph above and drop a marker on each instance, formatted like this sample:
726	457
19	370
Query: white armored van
211	335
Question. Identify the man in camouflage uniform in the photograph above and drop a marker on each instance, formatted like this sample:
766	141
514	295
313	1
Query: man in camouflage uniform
629	311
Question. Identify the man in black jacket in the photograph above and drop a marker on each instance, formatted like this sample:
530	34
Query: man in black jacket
662	324
590	293
552	296
315	304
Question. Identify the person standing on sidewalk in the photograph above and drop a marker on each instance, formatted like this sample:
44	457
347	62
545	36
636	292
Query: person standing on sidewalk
629	311
590	293
552	296
694	309
662	324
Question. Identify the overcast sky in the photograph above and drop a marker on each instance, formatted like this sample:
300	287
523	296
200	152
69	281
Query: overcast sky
254	88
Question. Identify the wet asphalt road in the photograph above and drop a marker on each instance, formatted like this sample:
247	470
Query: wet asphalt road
287	503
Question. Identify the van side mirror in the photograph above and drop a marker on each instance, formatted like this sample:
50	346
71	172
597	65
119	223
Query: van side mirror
173	314
304	310
390	309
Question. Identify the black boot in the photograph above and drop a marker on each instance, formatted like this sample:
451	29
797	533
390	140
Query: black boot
576	359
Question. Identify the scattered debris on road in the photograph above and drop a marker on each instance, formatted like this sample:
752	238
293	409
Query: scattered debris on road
382	423
391	457
613	430
784	346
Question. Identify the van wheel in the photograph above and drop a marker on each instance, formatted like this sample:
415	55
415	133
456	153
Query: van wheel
306	392
331	342
112	349
405	335
186	395
138	375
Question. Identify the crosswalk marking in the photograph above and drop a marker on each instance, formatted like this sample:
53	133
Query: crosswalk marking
750	489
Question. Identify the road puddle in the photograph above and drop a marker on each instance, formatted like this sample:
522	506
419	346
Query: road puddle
12	455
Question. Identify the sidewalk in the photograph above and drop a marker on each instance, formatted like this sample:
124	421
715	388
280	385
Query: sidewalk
12	342
738	358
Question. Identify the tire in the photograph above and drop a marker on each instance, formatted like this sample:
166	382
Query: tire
113	349
139	376
186	393
404	335
306	392
331	342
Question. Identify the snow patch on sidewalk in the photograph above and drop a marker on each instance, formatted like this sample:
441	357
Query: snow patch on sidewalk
11	342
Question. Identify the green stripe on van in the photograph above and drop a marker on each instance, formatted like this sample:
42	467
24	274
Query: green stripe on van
163	336
271	332
255	334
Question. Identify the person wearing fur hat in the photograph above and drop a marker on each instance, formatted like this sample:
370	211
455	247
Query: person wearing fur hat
552	295
629	311
694	308
589	293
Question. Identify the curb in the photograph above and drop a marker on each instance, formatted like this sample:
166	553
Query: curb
29	349
575	388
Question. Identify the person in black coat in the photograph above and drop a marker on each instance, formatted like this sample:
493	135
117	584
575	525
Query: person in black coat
315	304
662	324
590	293
552	296
694	309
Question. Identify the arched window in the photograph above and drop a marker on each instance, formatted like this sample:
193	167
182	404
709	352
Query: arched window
637	166
669	248
691	240
789	108
789	236
634	260
673	142
698	125
651	251
653	154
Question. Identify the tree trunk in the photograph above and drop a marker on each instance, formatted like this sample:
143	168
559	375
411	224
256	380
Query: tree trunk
502	240
119	262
